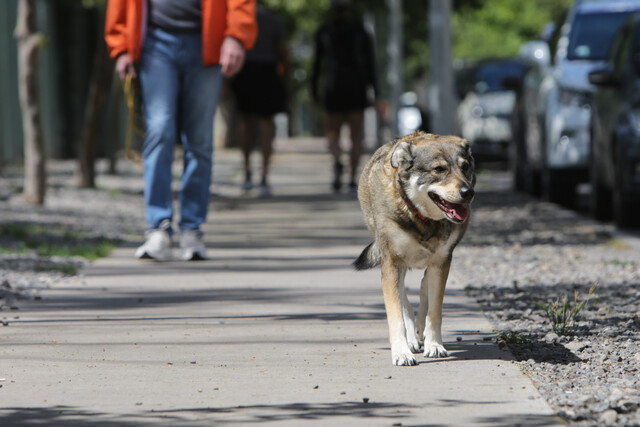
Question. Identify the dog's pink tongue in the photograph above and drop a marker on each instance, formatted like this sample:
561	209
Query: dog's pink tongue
457	211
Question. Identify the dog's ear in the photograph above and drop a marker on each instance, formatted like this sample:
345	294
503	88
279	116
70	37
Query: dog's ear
402	156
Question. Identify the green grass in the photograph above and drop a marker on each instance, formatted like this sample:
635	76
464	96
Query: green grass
53	241
619	263
562	314
512	337
66	269
617	244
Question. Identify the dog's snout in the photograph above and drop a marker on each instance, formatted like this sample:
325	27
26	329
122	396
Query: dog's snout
467	193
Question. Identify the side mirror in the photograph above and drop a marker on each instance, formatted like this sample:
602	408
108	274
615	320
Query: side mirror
536	53
603	77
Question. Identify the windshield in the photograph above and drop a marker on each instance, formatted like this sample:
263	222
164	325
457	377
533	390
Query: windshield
490	77
592	34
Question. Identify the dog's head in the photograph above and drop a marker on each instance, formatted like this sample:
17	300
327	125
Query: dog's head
437	174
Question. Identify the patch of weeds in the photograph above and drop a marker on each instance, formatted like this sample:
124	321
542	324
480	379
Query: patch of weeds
66	269
619	263
617	244
512	337
114	192
53	241
562	314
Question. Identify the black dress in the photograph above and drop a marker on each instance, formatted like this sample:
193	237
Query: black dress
344	62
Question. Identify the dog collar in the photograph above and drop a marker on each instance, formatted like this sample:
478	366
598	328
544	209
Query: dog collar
412	208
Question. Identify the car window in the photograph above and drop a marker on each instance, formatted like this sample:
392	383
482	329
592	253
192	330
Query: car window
591	34
618	46
622	61
490	77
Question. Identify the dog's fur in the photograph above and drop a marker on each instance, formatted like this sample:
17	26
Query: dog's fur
415	194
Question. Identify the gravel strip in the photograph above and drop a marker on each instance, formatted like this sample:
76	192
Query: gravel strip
520	252
517	252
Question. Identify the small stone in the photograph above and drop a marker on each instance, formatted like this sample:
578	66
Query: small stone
568	414
574	346
458	339
608	417
551	337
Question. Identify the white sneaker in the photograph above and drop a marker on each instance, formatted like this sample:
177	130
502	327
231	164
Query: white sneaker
157	246
247	184
191	246
264	191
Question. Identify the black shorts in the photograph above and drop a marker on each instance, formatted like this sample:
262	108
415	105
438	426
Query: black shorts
259	89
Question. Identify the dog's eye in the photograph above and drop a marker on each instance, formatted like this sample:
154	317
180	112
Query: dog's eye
439	169
465	167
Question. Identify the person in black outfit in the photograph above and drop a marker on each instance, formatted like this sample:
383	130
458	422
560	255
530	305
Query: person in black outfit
259	89
344	62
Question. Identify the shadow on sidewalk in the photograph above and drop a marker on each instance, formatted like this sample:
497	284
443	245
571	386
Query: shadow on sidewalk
255	414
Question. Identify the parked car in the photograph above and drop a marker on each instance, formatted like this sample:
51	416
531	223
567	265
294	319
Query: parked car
557	98
615	130
484	113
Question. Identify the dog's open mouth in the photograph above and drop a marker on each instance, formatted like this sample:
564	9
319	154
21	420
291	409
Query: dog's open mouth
456	212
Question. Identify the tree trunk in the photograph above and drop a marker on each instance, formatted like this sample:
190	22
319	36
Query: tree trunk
96	106
34	152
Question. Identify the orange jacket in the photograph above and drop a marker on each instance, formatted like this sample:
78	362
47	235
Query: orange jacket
126	21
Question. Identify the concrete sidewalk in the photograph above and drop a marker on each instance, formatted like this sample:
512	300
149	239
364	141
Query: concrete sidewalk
276	329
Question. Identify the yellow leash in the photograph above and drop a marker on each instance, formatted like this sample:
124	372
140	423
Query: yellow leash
130	95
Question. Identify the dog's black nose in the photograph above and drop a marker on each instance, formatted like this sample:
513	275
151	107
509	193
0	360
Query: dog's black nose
467	193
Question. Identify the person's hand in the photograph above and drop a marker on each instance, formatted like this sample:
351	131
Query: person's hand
231	56
124	66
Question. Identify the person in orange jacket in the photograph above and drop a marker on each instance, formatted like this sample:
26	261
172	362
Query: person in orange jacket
179	49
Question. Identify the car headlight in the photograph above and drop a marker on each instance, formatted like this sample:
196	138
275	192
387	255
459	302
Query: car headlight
574	98
477	111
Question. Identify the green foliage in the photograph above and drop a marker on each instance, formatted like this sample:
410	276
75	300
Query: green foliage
562	314
499	27
52	241
512	337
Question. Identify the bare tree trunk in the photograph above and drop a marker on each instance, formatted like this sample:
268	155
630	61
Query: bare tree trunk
34	152
95	109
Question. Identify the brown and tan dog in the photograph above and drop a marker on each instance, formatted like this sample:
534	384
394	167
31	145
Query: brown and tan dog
415	194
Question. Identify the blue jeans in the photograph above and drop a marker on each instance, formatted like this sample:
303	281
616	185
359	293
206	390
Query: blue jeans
180	96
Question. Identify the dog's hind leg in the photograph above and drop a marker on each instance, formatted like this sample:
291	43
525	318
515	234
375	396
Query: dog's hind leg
392	280
430	310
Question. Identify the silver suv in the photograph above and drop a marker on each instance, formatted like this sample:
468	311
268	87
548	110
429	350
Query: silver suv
556	98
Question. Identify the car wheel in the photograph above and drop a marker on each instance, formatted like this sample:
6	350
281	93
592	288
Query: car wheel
559	186
625	206
517	166
601	200
625	210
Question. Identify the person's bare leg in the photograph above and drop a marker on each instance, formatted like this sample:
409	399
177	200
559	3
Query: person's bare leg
245	135
267	134
334	122
356	122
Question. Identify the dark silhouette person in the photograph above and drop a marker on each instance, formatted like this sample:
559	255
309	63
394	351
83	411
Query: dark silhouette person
344	82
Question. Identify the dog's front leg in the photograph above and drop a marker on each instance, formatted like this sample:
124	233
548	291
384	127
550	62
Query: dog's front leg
409	319
392	280
430	310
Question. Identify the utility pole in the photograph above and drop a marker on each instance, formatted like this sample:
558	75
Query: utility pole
394	70
442	100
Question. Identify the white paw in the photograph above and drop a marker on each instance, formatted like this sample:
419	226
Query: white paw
414	343
434	349
404	359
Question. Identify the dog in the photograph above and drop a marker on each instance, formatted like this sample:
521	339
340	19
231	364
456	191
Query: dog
415	193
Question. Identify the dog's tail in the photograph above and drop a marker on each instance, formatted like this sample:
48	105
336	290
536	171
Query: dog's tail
369	258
